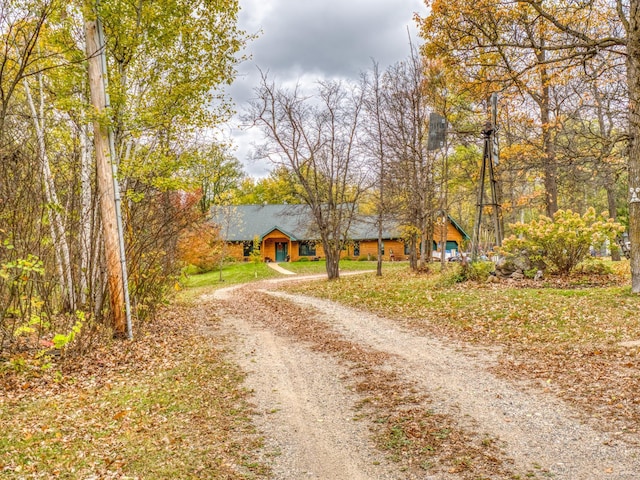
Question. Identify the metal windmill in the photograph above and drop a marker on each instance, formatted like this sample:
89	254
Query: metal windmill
489	162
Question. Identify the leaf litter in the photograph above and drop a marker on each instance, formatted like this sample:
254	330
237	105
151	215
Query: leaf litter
166	405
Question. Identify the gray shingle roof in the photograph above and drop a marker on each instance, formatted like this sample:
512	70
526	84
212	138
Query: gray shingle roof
244	222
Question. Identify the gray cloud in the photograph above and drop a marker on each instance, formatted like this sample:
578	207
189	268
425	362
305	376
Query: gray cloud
319	39
333	37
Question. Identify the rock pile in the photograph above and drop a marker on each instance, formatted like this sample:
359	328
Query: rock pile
513	267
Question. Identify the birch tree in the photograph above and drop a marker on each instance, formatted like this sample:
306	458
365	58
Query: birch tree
54	208
167	62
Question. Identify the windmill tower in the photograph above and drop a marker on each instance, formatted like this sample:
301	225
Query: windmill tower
489	162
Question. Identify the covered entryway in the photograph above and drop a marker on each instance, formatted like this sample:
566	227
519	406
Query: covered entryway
282	251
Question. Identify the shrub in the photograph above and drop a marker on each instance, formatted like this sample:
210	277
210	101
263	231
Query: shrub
22	309
562	242
451	276
592	266
200	246
477	271
303	259
462	272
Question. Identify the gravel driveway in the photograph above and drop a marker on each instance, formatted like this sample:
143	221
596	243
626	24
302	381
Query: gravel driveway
307	405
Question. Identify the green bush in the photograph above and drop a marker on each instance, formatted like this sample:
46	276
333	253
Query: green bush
592	266
562	242
462	272
451	276
478	271
303	259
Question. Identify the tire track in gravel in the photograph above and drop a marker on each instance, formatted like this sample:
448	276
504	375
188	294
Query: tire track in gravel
539	432
304	409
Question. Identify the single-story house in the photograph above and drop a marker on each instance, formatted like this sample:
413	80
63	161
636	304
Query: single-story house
288	233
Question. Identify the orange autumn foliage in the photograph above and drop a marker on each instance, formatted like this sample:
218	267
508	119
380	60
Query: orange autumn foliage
200	246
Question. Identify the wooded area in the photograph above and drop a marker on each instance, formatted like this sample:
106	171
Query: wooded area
566	76
167	62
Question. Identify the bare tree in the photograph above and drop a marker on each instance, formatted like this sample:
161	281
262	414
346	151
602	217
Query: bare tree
412	165
376	146
316	138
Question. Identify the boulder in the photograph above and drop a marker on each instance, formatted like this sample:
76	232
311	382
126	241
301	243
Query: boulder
507	266
517	275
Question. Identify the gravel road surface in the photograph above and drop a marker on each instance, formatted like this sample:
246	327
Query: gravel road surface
305	406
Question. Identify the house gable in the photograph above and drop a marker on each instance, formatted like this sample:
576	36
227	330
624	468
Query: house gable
457	226
278	232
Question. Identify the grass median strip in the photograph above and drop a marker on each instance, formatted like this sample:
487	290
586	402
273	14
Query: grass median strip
402	424
564	334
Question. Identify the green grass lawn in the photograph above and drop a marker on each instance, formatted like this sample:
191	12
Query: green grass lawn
232	273
493	313
345	266
236	273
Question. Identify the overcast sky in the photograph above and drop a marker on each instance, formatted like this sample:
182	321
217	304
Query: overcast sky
307	40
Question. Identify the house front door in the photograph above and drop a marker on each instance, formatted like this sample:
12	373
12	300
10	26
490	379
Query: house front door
281	251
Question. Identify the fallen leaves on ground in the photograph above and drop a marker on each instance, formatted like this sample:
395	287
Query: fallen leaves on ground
165	405
563	334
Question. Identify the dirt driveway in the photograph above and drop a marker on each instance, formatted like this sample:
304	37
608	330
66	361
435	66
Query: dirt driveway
342	394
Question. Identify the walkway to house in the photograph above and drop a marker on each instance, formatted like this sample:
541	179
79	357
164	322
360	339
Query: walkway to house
279	269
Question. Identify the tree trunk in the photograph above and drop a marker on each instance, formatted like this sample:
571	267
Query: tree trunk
633	79
58	231
105	182
379	264
549	167
426	244
85	214
333	261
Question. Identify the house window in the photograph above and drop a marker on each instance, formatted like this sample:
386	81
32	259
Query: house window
407	248
247	248
307	249
356	249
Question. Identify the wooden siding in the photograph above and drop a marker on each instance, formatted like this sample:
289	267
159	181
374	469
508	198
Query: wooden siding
453	234
368	248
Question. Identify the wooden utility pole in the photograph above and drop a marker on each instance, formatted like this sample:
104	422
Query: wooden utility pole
105	180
